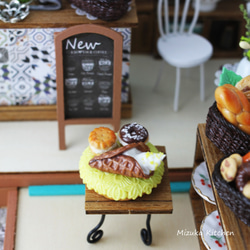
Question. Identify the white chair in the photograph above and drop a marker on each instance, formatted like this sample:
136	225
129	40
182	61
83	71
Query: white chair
181	48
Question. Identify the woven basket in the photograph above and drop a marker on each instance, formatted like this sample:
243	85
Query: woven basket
107	10
236	201
223	134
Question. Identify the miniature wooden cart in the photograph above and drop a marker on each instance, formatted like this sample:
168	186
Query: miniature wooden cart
158	202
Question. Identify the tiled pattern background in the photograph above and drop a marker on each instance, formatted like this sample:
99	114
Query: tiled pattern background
28	68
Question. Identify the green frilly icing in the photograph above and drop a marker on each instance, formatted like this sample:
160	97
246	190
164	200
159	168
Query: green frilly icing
115	186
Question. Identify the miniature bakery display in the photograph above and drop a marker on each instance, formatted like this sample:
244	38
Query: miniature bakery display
121	166
228	119
231	178
228	128
237	168
234	106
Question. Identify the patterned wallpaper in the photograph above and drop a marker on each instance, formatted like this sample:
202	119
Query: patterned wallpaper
28	68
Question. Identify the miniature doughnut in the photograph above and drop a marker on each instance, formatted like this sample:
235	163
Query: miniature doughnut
243	176
101	140
228	169
132	132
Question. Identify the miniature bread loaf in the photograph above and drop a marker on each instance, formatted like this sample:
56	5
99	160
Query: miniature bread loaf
246	190
244	86
234	106
228	169
238	158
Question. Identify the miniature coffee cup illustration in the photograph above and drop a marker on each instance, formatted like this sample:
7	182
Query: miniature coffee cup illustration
71	82
104	85
104	64
88	64
88	83
104	100
89	101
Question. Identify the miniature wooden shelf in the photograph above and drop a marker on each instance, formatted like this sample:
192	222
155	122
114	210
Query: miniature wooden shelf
223	27
66	17
46	112
238	238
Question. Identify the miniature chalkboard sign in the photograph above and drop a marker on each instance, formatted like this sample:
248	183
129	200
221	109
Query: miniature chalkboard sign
88	68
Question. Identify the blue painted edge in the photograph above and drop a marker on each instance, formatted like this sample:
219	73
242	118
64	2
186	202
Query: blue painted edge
47	190
79	189
180	187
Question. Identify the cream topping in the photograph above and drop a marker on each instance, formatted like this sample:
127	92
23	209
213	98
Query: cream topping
148	161
101	151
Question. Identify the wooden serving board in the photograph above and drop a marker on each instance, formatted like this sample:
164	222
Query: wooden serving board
158	202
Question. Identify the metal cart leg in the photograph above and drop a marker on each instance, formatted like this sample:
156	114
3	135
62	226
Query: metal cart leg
95	234
146	234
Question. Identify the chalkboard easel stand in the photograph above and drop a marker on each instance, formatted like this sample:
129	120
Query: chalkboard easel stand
61	126
80	47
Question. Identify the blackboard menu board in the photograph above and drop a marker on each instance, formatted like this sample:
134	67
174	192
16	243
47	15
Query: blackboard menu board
88	75
88	66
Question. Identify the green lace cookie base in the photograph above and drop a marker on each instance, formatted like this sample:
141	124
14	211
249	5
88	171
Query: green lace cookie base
115	186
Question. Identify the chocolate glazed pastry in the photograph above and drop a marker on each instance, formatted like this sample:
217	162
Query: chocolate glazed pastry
133	132
115	162
243	176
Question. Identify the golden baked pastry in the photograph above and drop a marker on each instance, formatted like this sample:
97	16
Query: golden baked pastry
101	140
244	86
228	169
234	106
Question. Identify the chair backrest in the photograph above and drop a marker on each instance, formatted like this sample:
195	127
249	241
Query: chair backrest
178	20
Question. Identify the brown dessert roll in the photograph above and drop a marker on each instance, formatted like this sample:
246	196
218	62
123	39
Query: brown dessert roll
115	162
